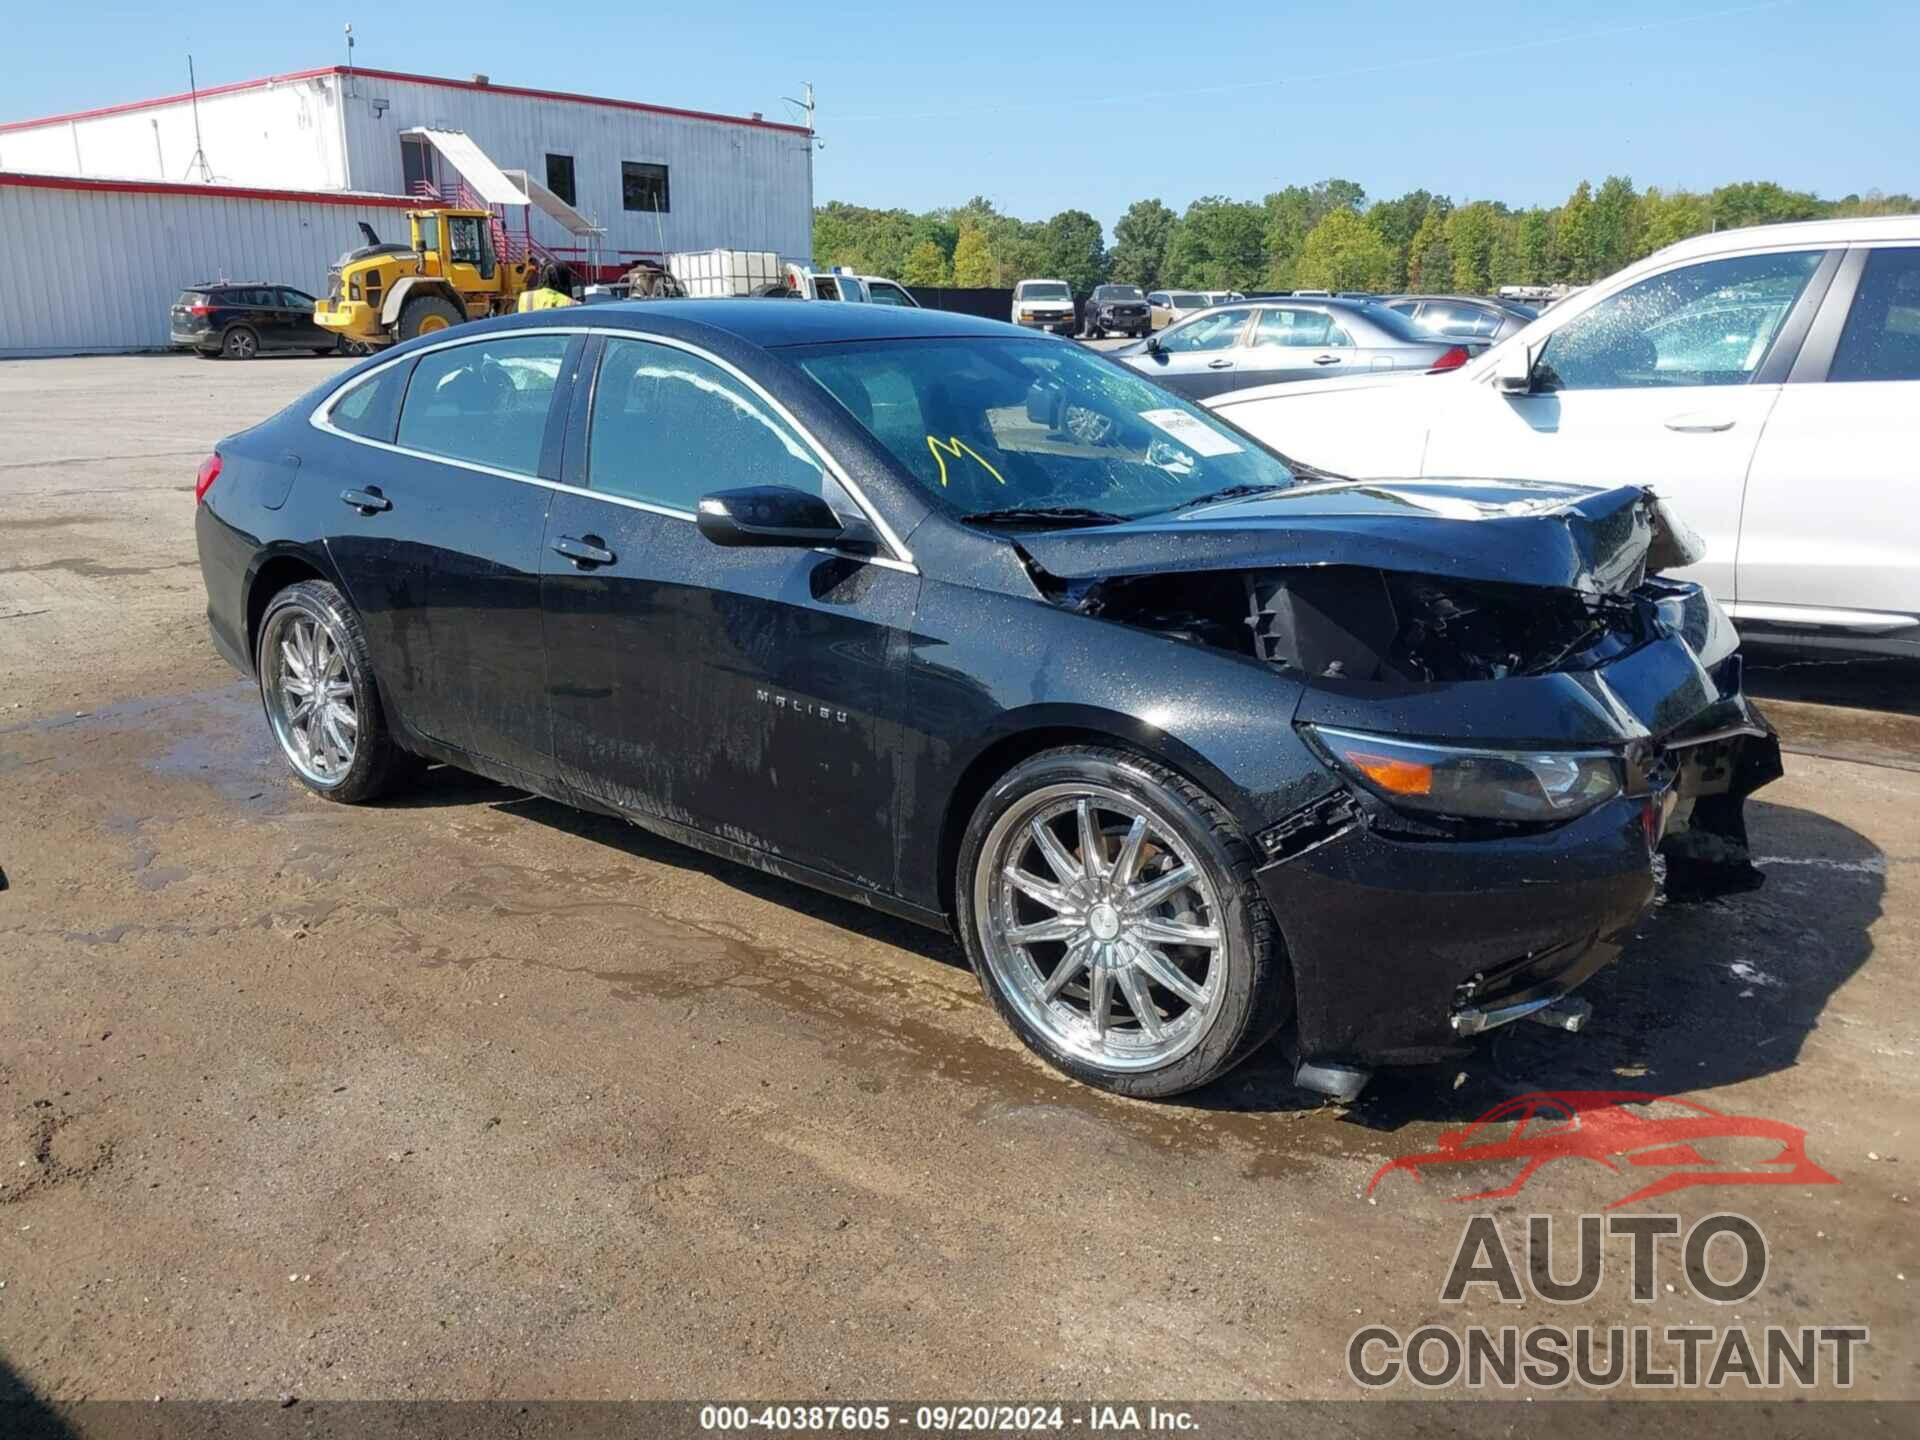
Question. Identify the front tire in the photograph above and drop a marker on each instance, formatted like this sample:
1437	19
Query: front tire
1149	971
428	315
321	699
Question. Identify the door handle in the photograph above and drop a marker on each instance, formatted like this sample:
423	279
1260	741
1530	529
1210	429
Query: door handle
1326	359
1699	424
368	501
585	552
1222	364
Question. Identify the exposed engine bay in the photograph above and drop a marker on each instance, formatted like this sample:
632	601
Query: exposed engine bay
1655	659
1341	622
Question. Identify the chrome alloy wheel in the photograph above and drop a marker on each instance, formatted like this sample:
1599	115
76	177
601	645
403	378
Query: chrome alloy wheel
1101	927
309	697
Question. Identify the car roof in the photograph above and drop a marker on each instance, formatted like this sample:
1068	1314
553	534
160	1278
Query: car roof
771	322
1859	230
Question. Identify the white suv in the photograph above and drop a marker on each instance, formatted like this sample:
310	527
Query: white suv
1767	381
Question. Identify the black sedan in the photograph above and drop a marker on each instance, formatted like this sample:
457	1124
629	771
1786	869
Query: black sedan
984	630
1268	342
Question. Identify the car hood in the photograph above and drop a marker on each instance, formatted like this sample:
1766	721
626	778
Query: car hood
1369	380
1597	541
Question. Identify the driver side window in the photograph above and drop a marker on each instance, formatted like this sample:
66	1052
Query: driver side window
1217	331
1706	324
669	427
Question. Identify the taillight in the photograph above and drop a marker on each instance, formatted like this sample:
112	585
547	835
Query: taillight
209	472
199	309
1452	360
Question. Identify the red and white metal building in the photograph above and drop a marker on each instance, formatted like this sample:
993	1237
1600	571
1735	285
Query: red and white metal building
111	212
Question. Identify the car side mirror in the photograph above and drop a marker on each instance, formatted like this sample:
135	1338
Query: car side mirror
1153	345
1513	375
767	515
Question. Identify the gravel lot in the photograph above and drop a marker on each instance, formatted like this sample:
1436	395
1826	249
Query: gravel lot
473	1096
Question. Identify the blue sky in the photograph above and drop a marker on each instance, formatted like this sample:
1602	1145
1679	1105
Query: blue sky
1042	107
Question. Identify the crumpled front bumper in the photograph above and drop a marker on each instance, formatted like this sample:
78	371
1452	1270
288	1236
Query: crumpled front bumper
1383	932
1403	941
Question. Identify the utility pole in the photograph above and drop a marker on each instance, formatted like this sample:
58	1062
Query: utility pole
805	107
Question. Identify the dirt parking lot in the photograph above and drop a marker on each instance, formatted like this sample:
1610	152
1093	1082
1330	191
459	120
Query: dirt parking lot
470	1095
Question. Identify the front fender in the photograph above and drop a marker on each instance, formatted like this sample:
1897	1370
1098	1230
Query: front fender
408	286
987	671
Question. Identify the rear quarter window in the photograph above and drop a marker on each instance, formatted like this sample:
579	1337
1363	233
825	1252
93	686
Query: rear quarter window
370	408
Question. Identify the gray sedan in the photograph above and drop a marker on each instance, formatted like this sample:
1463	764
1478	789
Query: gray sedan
1232	347
1463	317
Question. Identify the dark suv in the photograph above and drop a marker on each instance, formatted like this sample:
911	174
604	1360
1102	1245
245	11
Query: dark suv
239	321
1117	307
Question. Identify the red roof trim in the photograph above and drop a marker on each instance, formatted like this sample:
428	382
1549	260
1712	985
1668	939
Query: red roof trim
402	76
225	192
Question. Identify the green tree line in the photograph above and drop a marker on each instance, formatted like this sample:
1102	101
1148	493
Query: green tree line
1323	236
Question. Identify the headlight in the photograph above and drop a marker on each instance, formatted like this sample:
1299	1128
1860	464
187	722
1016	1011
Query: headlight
1476	784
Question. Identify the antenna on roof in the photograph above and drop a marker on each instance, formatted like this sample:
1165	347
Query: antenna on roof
351	94
804	114
199	160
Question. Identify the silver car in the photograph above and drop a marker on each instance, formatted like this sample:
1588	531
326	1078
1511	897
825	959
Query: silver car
1264	342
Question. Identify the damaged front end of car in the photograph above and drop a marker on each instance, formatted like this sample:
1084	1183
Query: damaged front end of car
1516	714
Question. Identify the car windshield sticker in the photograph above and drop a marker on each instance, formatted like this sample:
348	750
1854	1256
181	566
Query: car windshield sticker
956	447
1195	435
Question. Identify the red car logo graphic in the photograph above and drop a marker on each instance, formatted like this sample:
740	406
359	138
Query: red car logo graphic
1692	1143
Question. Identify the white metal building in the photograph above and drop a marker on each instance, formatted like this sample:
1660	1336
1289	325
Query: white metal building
263	180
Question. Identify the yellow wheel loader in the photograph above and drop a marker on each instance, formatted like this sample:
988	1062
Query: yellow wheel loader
380	293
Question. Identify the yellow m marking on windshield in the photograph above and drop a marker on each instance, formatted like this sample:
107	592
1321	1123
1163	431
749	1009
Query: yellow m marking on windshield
956	447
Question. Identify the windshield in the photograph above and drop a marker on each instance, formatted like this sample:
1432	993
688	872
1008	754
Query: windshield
1116	292
1046	291
1184	300
988	424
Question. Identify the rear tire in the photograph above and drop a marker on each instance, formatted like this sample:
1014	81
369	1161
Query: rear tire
321	698
429	314
240	343
1169	940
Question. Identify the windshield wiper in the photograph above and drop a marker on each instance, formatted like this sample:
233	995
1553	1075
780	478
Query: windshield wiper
1045	515
1232	492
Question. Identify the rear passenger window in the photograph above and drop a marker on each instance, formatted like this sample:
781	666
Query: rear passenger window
1881	340
485	402
1297	328
371	408
669	427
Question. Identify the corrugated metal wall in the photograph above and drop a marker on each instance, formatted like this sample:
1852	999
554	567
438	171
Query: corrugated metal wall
738	187
98	270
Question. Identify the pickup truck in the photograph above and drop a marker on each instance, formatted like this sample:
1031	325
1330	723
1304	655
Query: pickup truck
839	283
